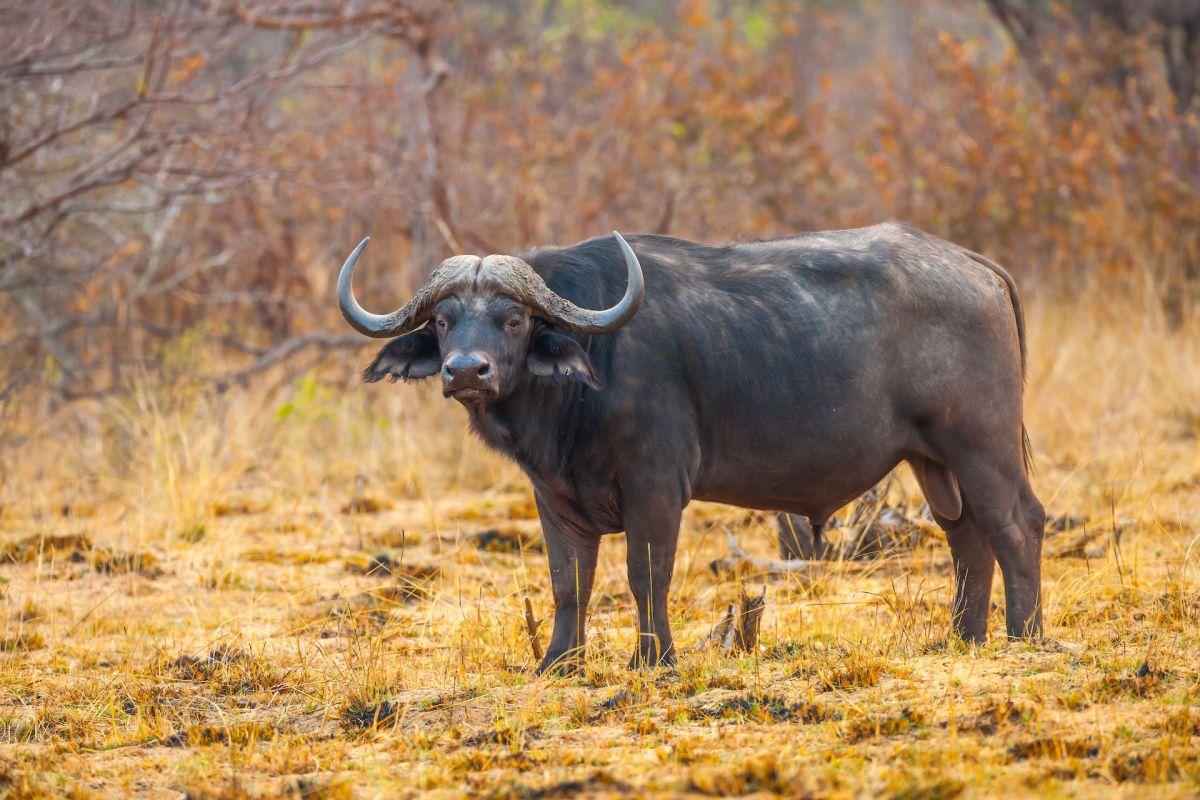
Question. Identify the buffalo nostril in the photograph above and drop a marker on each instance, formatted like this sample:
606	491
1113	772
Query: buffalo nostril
468	367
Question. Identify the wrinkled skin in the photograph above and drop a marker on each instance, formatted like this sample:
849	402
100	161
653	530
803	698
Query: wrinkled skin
788	375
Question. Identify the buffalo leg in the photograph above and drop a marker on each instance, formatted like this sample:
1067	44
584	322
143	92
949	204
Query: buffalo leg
1018	545
1001	511
974	565
572	572
651	534
797	537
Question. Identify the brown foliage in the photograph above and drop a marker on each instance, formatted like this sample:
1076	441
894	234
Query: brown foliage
188	171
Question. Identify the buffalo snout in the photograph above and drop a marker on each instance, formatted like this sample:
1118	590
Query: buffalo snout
467	375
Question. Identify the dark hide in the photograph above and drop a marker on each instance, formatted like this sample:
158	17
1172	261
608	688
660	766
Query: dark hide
787	375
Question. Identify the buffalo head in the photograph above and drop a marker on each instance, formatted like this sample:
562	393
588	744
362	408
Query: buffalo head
484	324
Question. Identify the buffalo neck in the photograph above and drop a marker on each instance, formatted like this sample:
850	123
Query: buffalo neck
543	427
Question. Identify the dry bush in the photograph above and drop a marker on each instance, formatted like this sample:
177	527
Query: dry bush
176	194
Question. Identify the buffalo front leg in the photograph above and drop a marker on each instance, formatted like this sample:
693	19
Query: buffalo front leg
572	572
651	535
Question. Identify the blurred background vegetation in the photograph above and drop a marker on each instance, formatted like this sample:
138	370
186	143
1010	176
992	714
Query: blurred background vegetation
179	179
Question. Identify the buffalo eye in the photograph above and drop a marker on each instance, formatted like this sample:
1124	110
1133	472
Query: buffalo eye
441	323
513	323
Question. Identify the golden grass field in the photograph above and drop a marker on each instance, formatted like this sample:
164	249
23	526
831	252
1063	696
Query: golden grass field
277	592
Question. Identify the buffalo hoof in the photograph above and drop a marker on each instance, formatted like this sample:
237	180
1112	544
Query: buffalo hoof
955	644
1031	635
967	639
561	664
647	660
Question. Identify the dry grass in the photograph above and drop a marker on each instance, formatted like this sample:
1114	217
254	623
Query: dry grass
281	592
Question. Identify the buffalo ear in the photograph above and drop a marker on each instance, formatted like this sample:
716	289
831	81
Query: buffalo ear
411	358
553	355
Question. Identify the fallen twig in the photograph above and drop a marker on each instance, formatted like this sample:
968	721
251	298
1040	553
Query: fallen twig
1078	547
738	631
285	350
738	557
531	625
720	632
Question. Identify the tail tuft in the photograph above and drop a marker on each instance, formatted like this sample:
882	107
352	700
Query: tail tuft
1026	450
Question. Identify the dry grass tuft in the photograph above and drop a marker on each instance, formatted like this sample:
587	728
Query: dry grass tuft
22	641
72	546
507	540
876	725
750	707
115	562
852	669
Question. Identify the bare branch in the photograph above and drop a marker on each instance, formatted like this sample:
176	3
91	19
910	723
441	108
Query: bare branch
287	349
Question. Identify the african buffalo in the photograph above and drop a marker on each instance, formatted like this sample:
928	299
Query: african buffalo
786	375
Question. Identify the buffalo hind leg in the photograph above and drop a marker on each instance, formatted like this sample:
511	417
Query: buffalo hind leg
651	536
1017	541
974	561
572	573
974	566
999	504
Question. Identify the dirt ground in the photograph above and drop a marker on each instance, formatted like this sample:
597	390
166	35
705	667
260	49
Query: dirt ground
315	589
